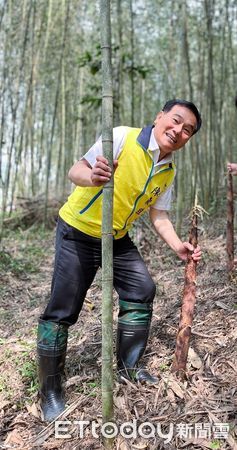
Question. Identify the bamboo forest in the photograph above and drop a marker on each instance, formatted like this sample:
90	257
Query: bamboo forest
118	312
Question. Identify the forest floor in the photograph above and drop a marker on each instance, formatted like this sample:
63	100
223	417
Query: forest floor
200	413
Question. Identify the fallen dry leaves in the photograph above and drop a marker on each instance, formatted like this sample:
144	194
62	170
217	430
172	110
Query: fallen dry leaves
209	395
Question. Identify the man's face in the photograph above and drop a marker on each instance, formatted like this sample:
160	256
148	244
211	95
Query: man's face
174	128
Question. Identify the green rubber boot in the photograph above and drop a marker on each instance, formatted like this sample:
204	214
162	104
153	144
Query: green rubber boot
51	350
133	331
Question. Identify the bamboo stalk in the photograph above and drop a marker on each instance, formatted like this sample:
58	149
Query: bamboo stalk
230	225
107	221
187	309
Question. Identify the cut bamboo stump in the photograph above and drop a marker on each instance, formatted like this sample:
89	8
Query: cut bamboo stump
187	309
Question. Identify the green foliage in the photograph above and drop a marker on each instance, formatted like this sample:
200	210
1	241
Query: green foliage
163	367
17	266
92	60
28	372
89	388
30	245
138	69
215	445
84	59
3	386
91	101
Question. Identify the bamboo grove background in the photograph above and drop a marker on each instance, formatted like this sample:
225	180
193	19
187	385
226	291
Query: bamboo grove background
50	88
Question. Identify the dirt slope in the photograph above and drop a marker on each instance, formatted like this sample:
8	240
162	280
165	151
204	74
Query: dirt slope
190	415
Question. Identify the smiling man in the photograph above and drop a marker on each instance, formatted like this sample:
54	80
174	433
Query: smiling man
144	174
174	126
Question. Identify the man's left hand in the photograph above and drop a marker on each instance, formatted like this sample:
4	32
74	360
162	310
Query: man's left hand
196	252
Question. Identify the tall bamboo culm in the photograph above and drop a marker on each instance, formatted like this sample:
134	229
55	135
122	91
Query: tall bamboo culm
107	221
230	226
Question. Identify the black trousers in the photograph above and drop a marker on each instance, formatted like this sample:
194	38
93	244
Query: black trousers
77	259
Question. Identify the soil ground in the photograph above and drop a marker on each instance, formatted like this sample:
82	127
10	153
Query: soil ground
200	413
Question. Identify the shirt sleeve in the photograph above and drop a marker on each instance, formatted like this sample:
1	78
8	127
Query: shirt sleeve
165	200
119	134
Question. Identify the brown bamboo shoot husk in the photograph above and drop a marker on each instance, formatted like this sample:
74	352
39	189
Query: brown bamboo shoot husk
187	309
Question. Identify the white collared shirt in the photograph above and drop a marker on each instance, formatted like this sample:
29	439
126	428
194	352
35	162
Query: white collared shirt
119	134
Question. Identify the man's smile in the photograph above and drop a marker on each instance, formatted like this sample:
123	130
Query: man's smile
172	138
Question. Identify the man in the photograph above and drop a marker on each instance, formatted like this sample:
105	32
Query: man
144	174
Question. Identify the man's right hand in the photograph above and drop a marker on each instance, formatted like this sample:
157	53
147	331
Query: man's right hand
101	172
82	174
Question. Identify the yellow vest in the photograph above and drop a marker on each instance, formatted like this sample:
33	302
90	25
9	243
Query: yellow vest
136	188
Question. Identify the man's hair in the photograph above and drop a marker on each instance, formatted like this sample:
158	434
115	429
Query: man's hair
169	105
